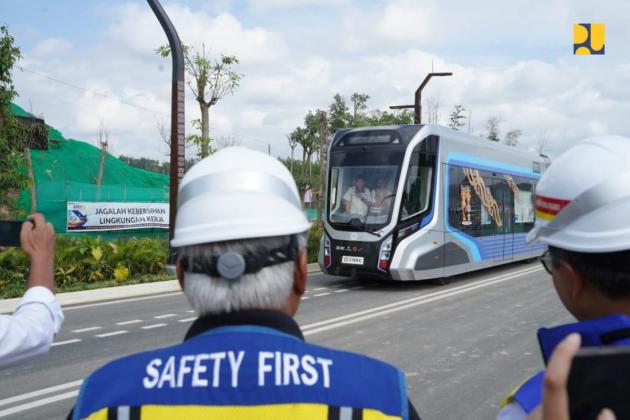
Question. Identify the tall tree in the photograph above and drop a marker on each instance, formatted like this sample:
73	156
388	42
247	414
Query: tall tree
227	141
432	108
339	114
493	128
457	119
293	143
12	180
102	142
324	134
378	117
212	79
299	136
359	105
512	136
311	139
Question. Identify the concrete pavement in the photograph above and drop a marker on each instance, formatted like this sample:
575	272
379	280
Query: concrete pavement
462	346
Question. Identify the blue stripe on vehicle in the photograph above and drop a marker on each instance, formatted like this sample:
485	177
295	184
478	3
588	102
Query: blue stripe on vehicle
495	246
490	165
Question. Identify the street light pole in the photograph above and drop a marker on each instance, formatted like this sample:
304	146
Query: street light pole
178	159
417	106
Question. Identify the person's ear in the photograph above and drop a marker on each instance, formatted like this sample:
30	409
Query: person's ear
575	282
300	274
180	273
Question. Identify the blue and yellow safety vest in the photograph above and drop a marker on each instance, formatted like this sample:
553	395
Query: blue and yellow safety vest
244	372
610	330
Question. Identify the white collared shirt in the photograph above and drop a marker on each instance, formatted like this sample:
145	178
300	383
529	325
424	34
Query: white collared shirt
355	202
30	330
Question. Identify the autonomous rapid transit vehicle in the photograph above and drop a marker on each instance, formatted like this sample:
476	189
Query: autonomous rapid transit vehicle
419	202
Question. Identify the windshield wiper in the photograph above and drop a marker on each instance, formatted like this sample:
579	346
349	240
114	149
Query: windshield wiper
364	228
357	223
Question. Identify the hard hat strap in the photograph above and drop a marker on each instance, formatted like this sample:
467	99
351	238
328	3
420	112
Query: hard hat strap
598	196
238	181
239	264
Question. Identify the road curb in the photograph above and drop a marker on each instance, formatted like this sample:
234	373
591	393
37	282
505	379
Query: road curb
112	293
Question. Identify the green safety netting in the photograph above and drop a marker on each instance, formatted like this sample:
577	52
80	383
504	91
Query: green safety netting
68	171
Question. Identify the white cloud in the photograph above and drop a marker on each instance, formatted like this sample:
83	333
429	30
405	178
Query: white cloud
265	5
406	21
51	47
383	49
138	28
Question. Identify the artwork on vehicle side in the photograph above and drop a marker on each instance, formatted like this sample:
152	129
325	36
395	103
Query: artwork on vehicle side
483	203
484	193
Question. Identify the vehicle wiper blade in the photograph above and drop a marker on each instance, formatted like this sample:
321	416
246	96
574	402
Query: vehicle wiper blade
364	228
356	223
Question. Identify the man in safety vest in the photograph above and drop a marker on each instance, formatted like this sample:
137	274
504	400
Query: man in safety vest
582	214
240	236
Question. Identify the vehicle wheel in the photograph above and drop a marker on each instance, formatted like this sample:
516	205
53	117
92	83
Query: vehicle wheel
442	281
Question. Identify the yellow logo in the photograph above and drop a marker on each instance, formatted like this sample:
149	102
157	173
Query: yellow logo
589	38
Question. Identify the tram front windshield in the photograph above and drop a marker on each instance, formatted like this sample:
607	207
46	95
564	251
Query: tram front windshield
362	188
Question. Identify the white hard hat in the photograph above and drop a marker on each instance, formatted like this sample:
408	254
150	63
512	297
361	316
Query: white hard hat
237	193
583	199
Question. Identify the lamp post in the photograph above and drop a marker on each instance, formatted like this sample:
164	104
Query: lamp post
178	159
417	106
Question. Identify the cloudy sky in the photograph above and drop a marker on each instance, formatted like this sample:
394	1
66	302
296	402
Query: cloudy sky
87	63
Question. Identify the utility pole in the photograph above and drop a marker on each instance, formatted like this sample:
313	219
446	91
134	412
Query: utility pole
469	116
178	159
417	106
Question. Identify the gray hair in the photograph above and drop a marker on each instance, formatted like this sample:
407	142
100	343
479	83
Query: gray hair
269	288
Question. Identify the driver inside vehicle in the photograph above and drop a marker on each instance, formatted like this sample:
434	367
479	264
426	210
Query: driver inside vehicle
380	198
358	198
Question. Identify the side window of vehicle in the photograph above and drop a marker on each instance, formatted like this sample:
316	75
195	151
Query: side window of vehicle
472	207
416	195
524	210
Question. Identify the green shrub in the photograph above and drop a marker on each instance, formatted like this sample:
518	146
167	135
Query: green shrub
13	272
313	243
86	262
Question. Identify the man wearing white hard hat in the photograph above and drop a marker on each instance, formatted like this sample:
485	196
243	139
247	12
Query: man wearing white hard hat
582	215
240	236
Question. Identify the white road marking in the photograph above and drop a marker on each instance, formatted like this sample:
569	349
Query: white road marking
150	327
86	329
164	316
191	312
133	321
305	297
309	329
38	403
109	334
40	392
356	287
380	311
187	319
321	294
341	290
112	302
320	288
61	343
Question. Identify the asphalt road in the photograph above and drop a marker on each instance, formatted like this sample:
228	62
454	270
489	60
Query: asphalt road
462	346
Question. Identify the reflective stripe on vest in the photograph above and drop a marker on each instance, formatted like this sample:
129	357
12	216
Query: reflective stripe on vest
244	372
609	330
264	412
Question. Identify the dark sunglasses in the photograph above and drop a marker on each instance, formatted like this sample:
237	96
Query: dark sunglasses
546	261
